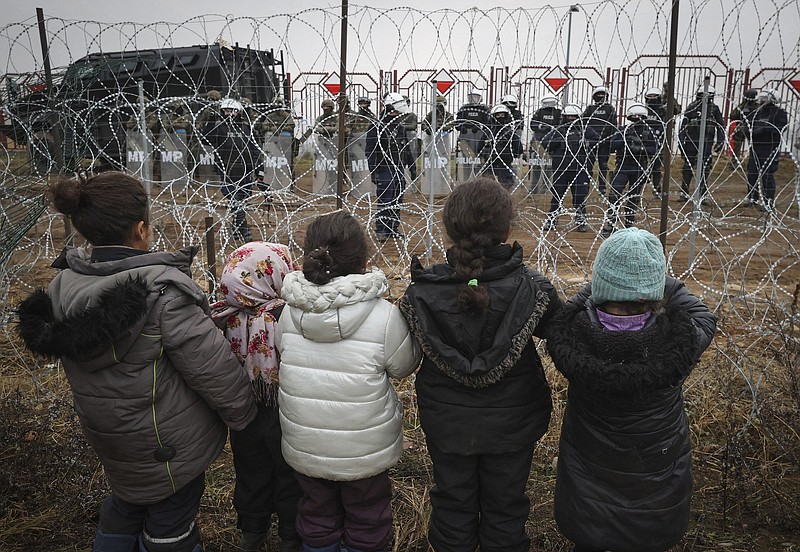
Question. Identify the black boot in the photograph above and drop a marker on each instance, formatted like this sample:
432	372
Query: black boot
252	542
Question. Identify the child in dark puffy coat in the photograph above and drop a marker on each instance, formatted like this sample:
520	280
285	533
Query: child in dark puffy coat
251	283
626	344
483	398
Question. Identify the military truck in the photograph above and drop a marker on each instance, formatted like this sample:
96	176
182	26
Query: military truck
96	100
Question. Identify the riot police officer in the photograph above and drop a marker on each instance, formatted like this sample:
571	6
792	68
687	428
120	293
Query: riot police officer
568	145
472	122
501	146
656	119
634	146
543	120
690	139
237	158
769	120
444	119
410	121
386	147
511	102
602	117
741	119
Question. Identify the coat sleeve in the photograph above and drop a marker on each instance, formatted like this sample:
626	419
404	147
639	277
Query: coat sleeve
403	354
200	352
703	320
554	305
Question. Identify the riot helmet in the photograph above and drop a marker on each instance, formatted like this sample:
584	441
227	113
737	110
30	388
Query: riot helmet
600	95
768	96
700	92
474	96
509	100
549	101
636	112
230	107
395	102
570	113
501	113
653	96
441	100
363	101
327	103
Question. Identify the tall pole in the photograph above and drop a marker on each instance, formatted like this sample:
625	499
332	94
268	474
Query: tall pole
667	153
572	9
433	165
340	158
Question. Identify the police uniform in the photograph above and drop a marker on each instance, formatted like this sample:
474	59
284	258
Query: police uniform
689	138
634	146
602	118
769	121
568	145
387	152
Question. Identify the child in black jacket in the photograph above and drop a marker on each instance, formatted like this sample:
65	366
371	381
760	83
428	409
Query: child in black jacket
482	394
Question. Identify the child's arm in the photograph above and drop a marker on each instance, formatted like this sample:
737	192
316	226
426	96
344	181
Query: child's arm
403	354
703	320
200	352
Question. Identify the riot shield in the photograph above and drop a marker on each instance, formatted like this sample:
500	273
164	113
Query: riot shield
278	169
360	179
138	154
325	153
541	169
204	170
440	164
172	149
468	163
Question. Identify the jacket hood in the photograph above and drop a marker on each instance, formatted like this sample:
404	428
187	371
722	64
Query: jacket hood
333	311
479	349
629	362
93	312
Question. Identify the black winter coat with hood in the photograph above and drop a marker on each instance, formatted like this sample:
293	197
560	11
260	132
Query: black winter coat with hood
153	380
481	387
624	476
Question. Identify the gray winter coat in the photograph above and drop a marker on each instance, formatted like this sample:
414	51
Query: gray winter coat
154	381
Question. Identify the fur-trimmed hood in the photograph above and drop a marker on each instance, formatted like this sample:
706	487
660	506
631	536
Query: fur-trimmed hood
93	311
333	311
659	356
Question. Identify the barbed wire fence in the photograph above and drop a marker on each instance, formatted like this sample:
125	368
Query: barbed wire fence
138	97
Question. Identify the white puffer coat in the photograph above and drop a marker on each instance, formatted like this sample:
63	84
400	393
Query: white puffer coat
339	343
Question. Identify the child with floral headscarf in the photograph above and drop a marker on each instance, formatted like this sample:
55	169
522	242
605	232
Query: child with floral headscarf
251	283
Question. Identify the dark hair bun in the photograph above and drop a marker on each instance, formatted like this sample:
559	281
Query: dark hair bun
65	194
317	266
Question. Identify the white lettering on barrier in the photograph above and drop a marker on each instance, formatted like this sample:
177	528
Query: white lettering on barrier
360	165
206	159
171	156
439	162
464	160
276	162
325	164
135	156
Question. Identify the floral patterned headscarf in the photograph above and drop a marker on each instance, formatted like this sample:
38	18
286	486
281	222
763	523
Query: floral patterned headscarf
251	283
